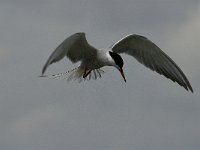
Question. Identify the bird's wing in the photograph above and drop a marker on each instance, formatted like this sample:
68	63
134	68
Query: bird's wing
74	47
147	53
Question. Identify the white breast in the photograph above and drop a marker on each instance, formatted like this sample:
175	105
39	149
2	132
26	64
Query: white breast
104	58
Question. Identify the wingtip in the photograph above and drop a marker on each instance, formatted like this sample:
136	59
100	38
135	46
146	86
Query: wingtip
188	87
80	33
191	89
42	75
45	67
43	70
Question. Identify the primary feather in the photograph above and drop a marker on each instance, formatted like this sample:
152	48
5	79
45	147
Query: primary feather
149	54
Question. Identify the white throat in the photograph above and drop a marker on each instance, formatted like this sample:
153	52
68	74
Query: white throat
105	57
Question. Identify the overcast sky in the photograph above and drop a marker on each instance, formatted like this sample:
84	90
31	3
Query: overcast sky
149	112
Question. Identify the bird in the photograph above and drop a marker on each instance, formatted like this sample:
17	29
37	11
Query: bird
77	49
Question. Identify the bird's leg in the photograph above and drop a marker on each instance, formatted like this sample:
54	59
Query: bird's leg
86	73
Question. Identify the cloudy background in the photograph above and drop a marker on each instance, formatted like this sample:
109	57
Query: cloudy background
149	112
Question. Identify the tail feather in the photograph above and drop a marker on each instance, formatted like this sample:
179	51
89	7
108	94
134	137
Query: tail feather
77	74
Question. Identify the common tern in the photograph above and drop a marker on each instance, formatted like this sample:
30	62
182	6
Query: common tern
76	48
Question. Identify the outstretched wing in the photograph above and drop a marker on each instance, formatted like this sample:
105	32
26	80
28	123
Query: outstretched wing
74	47
147	53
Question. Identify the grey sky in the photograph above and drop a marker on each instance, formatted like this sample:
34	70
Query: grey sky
148	112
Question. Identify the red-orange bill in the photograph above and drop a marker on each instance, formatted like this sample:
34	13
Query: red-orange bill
122	73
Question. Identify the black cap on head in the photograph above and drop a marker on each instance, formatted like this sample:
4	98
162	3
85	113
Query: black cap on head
117	58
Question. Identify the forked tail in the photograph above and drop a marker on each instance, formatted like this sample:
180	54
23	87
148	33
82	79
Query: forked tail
79	74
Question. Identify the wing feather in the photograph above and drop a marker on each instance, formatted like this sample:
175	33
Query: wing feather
149	54
74	47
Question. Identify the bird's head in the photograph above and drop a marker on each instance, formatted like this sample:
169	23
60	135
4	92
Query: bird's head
118	63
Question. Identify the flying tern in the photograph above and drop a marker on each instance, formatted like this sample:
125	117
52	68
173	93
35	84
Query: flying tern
77	49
